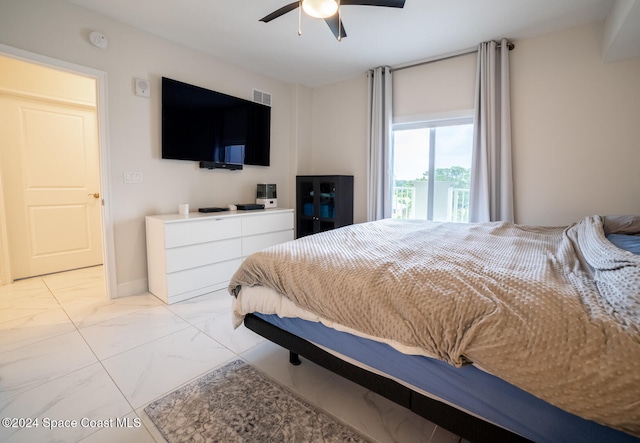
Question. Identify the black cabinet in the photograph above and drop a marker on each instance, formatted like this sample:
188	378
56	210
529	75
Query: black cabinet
323	202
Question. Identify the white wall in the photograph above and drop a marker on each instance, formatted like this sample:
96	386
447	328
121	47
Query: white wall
339	136
60	30
301	129
576	131
576	124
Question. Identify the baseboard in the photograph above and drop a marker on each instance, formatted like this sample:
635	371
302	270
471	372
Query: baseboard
127	289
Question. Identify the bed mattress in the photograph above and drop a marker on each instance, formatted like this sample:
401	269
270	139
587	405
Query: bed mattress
468	388
554	311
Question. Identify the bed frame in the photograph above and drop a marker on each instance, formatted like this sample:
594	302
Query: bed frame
448	417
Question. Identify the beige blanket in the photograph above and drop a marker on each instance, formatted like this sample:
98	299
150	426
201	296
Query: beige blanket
555	311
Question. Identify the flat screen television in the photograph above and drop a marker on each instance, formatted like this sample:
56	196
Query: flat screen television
215	129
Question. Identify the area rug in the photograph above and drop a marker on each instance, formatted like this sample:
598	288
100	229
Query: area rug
236	403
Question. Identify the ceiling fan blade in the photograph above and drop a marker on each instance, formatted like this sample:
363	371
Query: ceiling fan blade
282	11
335	24
387	3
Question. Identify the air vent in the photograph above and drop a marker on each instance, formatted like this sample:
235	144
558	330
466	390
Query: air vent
262	97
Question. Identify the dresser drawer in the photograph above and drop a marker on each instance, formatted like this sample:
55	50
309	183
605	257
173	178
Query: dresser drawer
197	278
201	231
193	256
259	224
255	243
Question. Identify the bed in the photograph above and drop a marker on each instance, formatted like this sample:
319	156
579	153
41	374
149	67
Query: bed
495	331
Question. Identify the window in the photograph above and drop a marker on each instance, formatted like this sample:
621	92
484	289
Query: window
432	170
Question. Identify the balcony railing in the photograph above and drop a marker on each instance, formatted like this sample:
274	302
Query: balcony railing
460	205
450	204
404	202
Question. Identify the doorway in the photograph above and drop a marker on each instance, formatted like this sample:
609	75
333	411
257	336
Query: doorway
52	202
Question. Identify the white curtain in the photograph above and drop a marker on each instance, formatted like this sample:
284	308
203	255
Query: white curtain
380	158
491	190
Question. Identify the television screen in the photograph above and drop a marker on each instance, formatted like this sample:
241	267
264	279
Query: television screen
208	126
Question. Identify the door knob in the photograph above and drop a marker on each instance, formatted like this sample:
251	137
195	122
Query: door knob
95	195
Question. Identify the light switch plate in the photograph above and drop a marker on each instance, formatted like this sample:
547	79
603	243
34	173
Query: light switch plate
133	177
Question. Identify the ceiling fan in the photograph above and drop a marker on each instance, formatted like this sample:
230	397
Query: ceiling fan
329	10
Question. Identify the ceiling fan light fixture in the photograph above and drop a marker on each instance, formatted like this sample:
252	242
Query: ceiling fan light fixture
320	8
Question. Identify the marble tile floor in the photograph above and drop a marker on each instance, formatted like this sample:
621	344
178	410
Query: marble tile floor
68	353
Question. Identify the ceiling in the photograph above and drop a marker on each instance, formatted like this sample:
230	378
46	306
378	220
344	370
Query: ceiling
230	30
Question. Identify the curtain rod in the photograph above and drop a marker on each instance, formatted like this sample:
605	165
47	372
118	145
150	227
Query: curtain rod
448	56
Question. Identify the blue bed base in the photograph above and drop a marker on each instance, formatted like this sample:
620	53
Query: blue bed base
469	388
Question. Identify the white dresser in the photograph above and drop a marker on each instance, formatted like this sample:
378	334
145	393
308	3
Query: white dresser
190	255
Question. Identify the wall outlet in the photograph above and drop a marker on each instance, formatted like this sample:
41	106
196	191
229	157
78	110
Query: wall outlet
133	177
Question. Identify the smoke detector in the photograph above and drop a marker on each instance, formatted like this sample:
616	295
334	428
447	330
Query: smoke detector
98	40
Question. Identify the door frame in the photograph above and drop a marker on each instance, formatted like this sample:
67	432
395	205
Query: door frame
108	244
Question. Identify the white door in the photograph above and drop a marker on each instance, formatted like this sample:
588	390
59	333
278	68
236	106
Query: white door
50	171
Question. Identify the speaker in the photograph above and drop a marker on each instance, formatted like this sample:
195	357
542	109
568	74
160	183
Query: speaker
142	87
266	191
